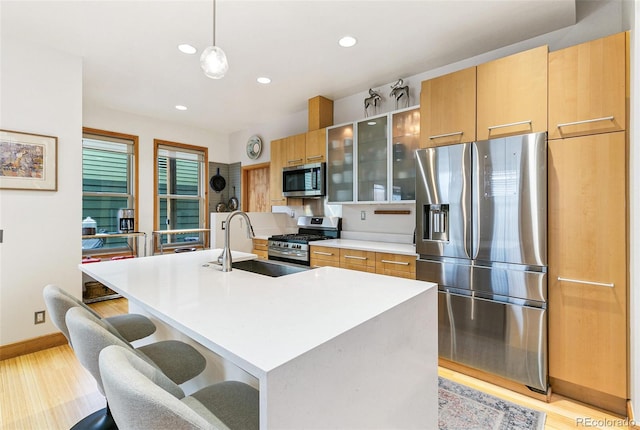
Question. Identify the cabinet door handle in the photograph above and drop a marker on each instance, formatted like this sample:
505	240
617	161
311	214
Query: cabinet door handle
355	257
579	281
295	161
315	157
455	133
323	253
400	263
509	125
586	121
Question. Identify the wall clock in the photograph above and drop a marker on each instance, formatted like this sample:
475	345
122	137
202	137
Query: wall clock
254	147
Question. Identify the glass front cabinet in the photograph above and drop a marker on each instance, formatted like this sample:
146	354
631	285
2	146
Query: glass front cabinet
340	163
373	160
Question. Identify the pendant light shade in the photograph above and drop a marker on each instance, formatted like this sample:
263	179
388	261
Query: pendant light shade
213	59
214	62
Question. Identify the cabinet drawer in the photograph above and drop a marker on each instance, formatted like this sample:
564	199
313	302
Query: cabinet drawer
356	259
324	256
403	266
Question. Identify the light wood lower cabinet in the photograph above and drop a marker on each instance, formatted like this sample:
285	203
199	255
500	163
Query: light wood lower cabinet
324	256
356	259
383	263
402	266
588	292
261	248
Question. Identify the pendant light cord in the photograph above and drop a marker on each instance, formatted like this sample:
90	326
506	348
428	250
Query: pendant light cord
214	22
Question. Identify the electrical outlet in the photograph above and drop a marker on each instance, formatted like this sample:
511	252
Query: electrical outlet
363	215
38	317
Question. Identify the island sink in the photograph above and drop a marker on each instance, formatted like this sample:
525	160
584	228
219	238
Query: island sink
268	268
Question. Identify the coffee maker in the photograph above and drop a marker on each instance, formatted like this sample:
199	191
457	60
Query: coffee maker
125	221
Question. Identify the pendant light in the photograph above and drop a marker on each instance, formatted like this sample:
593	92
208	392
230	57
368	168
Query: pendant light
213	59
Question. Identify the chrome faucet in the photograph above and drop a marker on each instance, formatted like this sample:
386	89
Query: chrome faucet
225	257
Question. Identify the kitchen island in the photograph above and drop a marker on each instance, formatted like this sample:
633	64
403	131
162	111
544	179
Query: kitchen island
331	348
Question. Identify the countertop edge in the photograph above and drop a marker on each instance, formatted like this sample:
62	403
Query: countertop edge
366	245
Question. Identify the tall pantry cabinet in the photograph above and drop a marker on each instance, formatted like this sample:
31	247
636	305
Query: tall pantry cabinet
588	223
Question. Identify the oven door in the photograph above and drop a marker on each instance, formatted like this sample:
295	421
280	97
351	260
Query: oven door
280	251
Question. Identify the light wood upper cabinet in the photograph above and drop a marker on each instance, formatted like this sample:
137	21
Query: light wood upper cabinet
588	265
587	88
286	152
296	149
316	146
448	109
278	162
512	95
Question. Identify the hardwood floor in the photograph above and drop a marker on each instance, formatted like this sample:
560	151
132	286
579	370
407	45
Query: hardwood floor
49	389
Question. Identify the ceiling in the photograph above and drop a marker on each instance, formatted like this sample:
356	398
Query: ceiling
131	62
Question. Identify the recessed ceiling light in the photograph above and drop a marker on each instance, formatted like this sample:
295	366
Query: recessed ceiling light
264	80
347	41
180	107
187	49
371	123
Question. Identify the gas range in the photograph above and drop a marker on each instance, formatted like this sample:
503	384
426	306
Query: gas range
294	248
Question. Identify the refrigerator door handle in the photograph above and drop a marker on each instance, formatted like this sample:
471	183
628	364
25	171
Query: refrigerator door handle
475	202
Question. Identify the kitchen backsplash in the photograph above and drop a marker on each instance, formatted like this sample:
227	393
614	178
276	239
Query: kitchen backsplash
397	228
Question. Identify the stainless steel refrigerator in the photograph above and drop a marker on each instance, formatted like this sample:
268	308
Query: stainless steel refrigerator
481	233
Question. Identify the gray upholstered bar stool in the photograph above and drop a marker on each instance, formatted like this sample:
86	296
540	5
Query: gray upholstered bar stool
90	335
129	326
141	397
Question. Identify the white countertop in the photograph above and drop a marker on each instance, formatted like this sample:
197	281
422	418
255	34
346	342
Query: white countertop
256	321
367	245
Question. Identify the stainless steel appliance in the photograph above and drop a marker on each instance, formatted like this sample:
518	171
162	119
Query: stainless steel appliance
125	220
304	181
294	248
481	227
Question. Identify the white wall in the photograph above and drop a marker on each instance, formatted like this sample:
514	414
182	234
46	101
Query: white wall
41	94
292	124
148	129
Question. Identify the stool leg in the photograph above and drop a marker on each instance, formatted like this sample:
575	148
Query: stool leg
99	420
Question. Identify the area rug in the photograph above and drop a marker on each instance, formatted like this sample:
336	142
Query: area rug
463	408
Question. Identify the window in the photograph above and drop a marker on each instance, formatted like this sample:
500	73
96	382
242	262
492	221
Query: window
108	184
181	192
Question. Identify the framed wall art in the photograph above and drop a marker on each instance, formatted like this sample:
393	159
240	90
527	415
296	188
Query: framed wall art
28	161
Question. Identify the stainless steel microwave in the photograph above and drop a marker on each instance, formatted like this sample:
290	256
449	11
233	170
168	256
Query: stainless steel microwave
304	181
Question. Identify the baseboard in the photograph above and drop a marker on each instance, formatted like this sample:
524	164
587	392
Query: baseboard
632	418
592	397
31	345
494	379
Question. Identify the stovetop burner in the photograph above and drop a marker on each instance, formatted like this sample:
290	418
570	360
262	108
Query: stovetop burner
294	248
298	237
